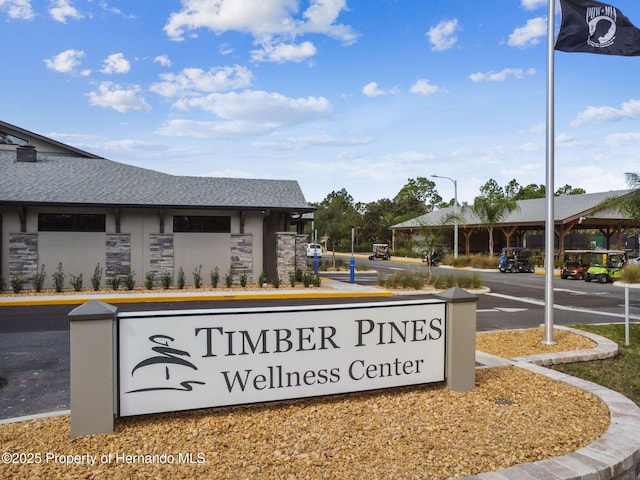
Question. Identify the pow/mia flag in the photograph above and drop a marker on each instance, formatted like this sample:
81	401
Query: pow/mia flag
595	27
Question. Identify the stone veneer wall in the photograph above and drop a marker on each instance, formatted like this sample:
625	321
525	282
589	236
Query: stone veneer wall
242	256
301	251
291	254
23	256
118	254
285	254
160	255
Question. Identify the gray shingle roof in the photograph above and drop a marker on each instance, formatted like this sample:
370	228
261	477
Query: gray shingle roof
529	211
59	179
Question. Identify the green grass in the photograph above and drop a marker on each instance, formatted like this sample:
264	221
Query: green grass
622	373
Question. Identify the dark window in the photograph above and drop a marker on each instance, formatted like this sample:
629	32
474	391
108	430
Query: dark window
8	139
71	222
201	223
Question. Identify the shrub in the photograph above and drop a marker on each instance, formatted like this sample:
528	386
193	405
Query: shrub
630	274
129	280
3	285
58	278
215	277
228	279
115	281
292	279
197	277
17	283
276	282
38	279
180	281
149	280
299	274
166	279
76	282
307	279
405	280
261	280
96	279
442	282
243	280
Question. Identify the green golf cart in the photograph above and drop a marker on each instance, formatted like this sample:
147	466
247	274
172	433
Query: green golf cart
605	265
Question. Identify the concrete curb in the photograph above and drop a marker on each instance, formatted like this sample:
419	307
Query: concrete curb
615	455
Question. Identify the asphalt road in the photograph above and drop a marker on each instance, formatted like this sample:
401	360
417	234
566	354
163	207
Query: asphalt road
34	341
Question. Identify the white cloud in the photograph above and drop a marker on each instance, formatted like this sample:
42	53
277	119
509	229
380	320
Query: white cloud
501	76
111	95
267	22
247	113
423	87
62	10
631	138
265	107
297	143
65	62
630	109
533	4
116	63
371	90
442	36
530	34
282	53
163	60
17	9
193	81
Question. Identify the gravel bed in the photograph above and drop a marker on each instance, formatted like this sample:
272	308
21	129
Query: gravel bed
513	416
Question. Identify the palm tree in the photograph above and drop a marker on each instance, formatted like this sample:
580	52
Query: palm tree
492	207
629	204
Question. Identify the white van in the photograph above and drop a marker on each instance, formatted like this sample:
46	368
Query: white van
314	249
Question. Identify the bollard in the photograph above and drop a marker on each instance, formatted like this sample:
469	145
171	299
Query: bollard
93	368
352	270
461	339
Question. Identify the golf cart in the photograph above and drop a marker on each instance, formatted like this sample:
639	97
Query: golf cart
605	265
436	256
515	259
380	250
575	265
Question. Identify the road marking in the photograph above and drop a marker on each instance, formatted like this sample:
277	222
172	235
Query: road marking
574	292
562	307
502	309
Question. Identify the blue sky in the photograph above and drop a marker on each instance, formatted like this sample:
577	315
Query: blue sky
354	94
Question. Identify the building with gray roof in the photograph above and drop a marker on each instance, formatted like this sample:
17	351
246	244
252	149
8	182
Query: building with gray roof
62	205
578	216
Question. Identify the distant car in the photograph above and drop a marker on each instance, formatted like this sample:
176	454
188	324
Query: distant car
314	249
634	261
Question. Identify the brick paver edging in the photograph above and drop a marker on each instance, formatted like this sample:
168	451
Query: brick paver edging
614	456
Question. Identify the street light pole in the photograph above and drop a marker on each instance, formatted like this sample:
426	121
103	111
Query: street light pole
455	212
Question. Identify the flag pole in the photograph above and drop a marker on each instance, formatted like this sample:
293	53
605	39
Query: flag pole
549	190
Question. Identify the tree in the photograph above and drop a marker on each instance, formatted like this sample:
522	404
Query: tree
375	222
569	190
630	204
335	217
515	191
431	238
417	197
492	206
